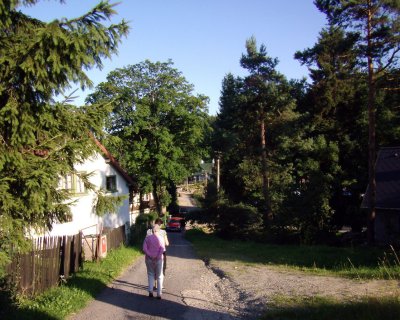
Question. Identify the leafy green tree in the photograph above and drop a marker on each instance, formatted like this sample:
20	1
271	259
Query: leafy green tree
377	26
40	139
157	125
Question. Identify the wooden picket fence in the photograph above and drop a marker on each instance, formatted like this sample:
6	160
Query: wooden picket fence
53	260
115	237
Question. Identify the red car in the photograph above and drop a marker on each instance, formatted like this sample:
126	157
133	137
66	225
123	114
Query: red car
175	224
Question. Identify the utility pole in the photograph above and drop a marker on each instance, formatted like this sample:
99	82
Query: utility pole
218	173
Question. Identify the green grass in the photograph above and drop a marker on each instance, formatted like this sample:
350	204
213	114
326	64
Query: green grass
59	302
317	308
350	262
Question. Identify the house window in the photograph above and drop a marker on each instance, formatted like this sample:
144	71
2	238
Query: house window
79	185
66	182
111	183
73	183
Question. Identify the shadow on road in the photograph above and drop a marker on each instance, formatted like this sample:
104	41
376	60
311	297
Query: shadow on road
145	306
179	247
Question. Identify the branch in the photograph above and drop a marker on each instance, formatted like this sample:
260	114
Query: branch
390	61
102	11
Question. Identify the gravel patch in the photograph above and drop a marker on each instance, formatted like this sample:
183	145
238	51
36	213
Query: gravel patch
249	288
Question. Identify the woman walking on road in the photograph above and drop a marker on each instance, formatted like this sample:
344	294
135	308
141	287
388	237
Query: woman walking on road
154	248
164	239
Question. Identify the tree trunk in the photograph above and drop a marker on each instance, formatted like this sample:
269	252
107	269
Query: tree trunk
371	136
264	166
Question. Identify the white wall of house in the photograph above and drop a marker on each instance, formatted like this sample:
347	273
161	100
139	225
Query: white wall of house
134	211
83	217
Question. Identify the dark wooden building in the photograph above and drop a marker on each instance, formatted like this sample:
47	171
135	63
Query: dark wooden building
387	220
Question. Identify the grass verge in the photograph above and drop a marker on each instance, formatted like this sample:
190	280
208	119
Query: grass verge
316	308
350	262
59	302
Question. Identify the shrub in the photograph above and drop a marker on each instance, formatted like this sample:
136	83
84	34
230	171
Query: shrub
238	221
139	229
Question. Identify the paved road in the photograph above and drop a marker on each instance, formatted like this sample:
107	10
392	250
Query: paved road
192	290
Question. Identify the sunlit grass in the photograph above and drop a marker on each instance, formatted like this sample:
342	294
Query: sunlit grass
351	262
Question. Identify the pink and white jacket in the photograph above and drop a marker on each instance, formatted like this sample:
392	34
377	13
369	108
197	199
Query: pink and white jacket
153	247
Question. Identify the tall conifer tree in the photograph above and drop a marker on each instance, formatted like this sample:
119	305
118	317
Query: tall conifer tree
267	96
40	140
377	24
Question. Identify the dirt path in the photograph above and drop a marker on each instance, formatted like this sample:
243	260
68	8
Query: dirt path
262	281
259	284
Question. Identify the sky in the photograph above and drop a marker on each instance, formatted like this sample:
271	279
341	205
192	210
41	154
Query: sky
205	39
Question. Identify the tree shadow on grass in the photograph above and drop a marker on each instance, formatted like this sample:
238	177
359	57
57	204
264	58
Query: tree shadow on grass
10	310
89	285
366	309
14	313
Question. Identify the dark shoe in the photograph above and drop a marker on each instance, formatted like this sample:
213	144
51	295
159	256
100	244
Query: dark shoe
159	297
151	295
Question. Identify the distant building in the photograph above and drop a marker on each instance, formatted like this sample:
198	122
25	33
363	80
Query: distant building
203	174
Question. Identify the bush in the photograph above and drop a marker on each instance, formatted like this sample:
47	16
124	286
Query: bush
239	221
139	229
278	235
201	216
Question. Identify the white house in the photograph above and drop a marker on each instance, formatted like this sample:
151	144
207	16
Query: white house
106	174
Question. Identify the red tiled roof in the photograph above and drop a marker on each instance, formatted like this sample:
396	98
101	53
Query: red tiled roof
113	161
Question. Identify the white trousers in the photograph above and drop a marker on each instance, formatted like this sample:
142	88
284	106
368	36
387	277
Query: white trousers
155	272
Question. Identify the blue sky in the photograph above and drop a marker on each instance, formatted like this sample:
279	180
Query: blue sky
204	38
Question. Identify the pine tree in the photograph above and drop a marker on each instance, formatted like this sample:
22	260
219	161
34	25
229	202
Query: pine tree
377	24
40	139
267	95
335	96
